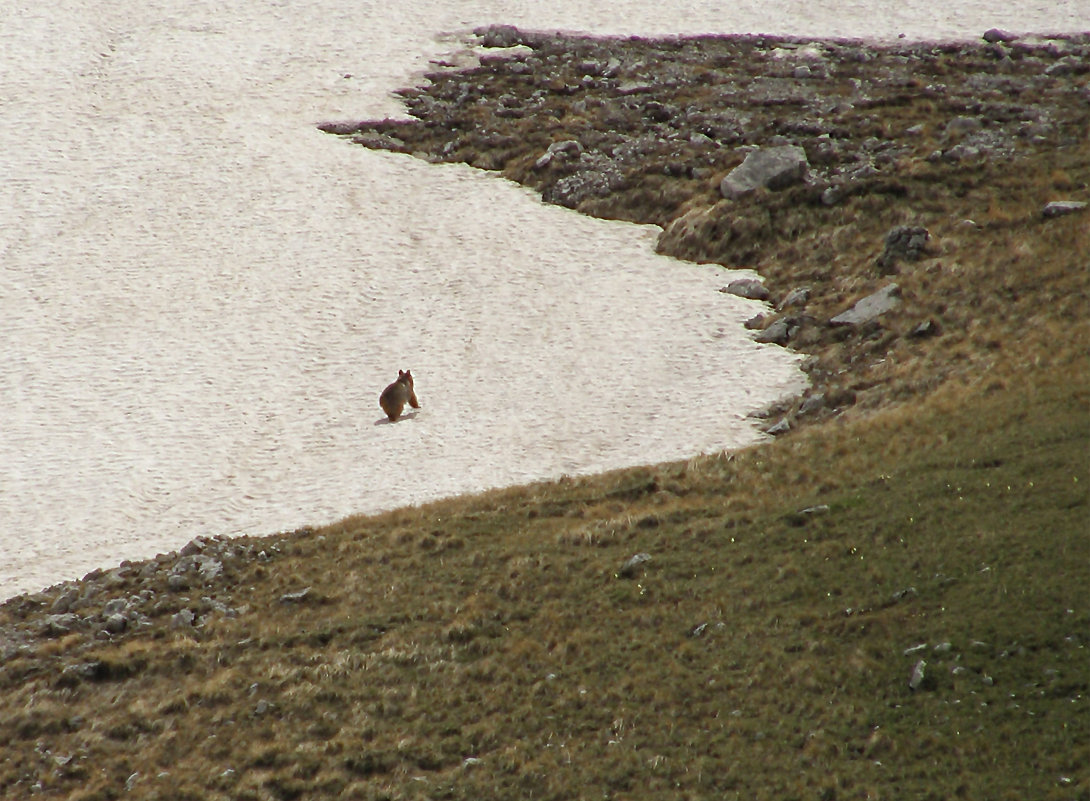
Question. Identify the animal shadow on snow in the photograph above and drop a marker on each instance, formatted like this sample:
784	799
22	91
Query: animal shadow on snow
407	416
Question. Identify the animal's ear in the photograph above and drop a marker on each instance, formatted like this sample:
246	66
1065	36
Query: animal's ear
400	373
408	373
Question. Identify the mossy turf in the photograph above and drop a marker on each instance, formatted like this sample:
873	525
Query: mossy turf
494	647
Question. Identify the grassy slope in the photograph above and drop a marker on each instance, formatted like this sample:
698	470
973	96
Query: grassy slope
496	628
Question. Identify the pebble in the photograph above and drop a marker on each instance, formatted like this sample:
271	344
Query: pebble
632	564
1059	208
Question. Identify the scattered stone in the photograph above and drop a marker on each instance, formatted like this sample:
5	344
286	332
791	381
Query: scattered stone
871	307
996	35
498	35
64	602
573	189
782	427
749	288
915	649
900	595
776	334
629	568
1058	208
928	328
59	625
114	607
193	547
754	322
567	147
183	619
768	168
799	296
116	623
814	403
943	648
380	141
916	680
959	126
903	243
295	597
209	568
86	671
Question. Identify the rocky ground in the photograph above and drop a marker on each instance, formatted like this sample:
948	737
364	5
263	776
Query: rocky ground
839	170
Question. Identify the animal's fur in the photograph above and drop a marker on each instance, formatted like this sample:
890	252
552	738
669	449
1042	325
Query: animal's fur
394	397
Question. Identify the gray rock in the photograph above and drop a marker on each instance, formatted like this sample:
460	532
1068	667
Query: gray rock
86	671
798	296
779	333
208	568
928	328
812	404
768	168
963	125
295	597
573	189
380	141
115	606
870	307
64	602
116	623
831	195
58	625
782	427
915	681
183	619
177	582
995	35
567	147
754	322
498	35
900	595
1058	208
749	288
962	152
194	546
903	243
632	564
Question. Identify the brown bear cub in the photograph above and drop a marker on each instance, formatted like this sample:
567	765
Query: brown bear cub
393	398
